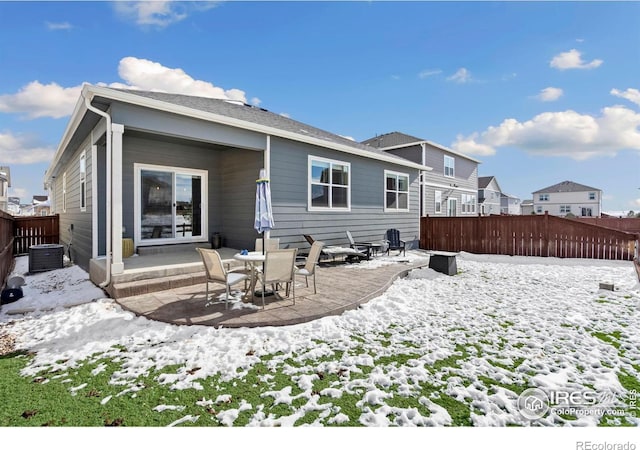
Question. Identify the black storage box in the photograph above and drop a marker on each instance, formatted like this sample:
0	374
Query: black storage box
45	257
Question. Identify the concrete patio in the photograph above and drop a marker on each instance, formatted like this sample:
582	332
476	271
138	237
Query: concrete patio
340	287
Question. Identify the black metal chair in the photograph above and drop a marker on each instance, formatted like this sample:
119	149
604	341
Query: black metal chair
392	236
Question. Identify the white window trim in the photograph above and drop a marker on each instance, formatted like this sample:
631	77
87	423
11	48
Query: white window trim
137	169
83	180
437	202
453	166
545	199
310	160
390	173
468	204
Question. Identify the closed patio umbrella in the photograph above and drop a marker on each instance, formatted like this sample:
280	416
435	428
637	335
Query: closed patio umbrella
264	214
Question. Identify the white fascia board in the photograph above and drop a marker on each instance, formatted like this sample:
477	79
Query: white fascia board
76	117
433	144
237	123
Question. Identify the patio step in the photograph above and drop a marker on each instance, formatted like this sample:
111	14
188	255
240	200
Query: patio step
130	288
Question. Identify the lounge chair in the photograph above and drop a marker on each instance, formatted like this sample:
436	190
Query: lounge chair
364	247
309	268
279	267
216	272
392	236
335	250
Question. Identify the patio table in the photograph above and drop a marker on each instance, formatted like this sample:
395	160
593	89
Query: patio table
251	258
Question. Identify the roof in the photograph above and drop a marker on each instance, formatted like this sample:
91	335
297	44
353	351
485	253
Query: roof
225	112
483	182
395	140
40	198
565	186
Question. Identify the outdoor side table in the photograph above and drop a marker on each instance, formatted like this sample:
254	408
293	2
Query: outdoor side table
251	258
443	262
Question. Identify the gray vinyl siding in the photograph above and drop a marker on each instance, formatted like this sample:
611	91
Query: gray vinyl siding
366	220
77	242
161	122
465	180
232	173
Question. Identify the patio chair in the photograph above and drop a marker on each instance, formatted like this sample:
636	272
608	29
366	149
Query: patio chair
271	244
364	247
216	272
392	236
332	250
309	268
279	267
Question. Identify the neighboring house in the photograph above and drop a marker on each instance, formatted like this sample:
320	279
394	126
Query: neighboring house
568	197
489	196
526	207
510	204
40	205
451	188
13	206
5	184
167	169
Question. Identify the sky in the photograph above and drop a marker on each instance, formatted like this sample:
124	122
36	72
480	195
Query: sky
429	312
540	92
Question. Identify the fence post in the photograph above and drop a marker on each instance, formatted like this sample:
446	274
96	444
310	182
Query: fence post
545	228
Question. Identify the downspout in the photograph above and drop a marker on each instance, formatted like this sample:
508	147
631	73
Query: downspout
107	117
267	168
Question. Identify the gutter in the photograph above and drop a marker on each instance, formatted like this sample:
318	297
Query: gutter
107	117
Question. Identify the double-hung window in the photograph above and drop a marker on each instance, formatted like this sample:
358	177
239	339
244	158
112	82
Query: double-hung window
592	195
396	191
565	209
83	181
329	184
468	203
544	197
449	166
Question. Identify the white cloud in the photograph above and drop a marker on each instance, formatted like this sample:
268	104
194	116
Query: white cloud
633	95
159	13
636	202
22	149
429	73
549	94
19	192
255	101
41	100
152	76
461	76
58	26
565	133
52	100
573	60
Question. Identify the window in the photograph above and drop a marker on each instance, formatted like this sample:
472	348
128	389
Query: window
565	209
396	191
544	197
438	204
329	184
83	181
449	166
468	204
539	209
64	192
592	195
586	212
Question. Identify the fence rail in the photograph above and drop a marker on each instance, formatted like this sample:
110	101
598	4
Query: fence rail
34	230
628	224
535	235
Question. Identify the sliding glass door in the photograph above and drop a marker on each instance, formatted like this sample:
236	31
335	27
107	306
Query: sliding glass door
170	204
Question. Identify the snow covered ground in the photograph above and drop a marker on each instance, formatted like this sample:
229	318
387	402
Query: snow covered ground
479	338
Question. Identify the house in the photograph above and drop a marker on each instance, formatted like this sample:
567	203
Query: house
568	197
5	184
526	207
489	196
510	204
451	188
13	206
165	169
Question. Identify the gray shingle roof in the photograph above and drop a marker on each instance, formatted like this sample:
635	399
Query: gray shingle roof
566	186
391	140
253	114
483	182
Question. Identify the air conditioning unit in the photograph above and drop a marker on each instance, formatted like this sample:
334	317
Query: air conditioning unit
45	257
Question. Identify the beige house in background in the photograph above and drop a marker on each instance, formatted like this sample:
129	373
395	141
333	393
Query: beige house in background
5	184
568	197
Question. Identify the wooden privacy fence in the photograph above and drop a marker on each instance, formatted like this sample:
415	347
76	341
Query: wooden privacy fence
628	224
34	230
6	246
530	235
